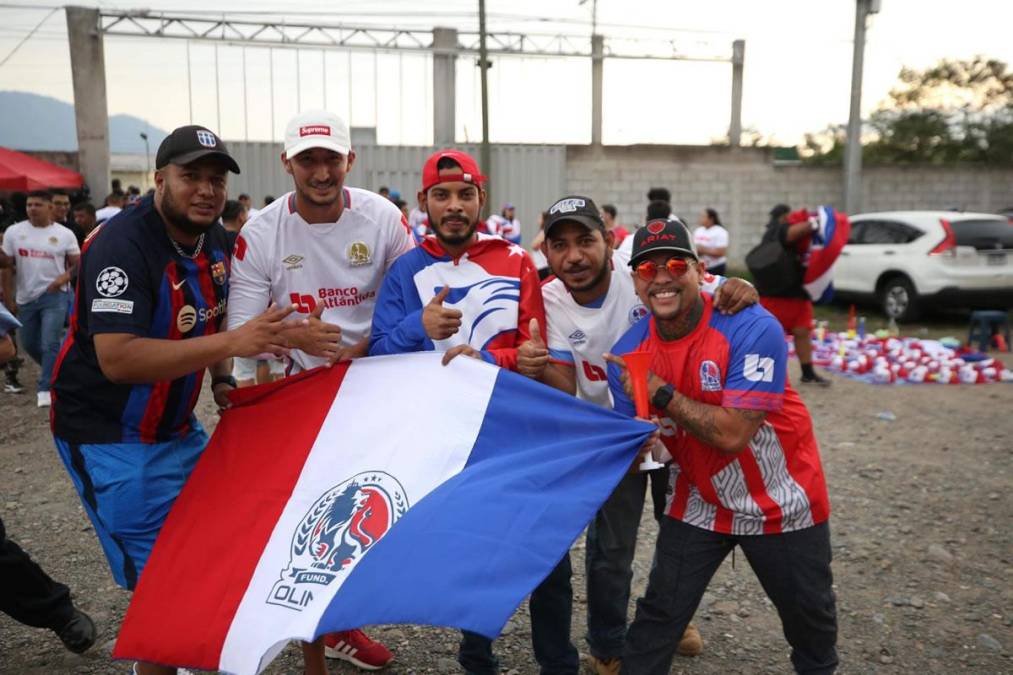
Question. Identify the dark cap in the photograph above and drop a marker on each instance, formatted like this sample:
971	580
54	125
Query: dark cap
576	209
662	235
780	210
190	143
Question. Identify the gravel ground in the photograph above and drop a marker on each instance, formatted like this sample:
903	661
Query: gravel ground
921	535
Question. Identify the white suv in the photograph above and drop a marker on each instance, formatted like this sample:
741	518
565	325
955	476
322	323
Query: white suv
908	261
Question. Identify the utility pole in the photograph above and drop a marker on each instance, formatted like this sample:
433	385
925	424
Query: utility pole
88	70
597	75
483	62
853	152
738	61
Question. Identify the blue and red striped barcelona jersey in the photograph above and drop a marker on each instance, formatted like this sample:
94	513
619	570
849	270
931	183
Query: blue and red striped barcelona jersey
132	280
776	483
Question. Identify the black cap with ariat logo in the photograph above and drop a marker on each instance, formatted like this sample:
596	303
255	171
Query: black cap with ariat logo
662	235
190	143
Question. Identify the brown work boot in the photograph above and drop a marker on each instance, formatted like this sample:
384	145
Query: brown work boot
691	643
598	666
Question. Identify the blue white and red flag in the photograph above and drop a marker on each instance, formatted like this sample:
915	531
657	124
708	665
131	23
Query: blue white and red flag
824	247
334	499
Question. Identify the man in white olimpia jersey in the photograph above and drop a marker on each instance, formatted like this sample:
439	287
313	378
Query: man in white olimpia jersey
589	305
324	248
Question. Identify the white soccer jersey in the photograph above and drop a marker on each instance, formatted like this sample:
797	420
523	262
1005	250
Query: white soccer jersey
714	236
281	258
579	335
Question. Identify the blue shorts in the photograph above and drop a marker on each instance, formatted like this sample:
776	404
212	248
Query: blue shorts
127	490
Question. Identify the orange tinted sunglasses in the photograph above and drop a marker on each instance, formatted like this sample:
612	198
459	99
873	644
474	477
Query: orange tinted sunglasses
675	267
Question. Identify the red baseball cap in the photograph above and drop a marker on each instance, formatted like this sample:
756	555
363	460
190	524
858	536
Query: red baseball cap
469	169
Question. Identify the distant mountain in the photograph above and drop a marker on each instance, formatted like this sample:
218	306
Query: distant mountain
33	122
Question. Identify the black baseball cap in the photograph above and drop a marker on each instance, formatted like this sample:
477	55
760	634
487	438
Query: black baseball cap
190	143
576	209
662	235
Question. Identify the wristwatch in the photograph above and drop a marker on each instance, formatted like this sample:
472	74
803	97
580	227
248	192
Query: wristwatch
662	397
224	379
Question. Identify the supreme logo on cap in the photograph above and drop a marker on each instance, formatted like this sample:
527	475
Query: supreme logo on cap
315	130
655	227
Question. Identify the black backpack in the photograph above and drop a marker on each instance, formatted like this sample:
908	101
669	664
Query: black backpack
776	270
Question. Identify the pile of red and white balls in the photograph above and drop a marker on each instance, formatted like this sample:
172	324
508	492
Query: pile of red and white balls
893	360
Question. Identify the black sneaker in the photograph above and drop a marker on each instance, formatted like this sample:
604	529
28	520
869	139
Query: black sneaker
79	634
11	384
815	379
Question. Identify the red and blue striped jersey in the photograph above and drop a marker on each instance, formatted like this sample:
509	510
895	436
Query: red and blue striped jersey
132	280
776	483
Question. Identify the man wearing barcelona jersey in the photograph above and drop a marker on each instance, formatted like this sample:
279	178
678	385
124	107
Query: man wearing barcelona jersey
746	469
474	294
150	303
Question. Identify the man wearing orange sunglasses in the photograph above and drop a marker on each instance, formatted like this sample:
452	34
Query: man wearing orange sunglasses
746	469
588	306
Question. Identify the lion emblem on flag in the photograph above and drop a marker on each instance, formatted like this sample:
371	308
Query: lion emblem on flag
337	530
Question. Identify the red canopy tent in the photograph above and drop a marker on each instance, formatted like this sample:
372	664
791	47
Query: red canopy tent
22	173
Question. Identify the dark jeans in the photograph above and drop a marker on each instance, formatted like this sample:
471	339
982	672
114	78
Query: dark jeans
41	331
611	546
793	568
551	606
27	594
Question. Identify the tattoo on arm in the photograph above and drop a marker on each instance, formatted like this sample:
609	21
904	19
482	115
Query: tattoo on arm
714	425
751	416
699	419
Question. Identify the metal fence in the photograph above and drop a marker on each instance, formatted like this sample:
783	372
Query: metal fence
531	177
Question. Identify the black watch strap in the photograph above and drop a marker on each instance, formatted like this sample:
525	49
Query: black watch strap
662	397
224	379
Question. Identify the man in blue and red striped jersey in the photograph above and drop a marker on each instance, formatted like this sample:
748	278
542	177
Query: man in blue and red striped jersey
746	469
147	321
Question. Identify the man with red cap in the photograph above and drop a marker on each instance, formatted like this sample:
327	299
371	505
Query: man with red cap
463	292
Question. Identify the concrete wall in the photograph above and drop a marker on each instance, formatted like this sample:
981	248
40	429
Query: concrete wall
530	176
744	183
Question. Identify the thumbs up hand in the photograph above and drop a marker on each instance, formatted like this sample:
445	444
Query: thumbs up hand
533	355
439	322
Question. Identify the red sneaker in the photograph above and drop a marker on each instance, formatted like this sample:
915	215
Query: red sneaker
355	647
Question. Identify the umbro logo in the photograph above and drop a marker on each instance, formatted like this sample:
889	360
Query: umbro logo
292	261
578	337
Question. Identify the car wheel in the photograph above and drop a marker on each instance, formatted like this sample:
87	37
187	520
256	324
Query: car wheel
899	299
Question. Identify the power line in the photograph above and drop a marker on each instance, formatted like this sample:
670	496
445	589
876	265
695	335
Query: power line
25	39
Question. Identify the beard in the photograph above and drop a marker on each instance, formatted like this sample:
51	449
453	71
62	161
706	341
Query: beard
453	239
177	217
307	194
604	270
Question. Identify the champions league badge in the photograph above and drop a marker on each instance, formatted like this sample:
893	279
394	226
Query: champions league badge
344	523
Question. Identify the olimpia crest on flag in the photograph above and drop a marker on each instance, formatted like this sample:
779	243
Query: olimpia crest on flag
340	526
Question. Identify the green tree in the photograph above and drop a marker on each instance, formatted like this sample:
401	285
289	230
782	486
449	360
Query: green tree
953	112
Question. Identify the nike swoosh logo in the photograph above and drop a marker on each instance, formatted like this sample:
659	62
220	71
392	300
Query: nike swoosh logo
178	286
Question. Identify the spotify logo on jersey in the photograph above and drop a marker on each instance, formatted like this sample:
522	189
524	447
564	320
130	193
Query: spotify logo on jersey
186	318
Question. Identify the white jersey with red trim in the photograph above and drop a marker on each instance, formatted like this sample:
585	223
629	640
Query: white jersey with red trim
281	258
578	335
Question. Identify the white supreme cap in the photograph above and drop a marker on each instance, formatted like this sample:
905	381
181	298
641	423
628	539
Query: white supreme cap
316	129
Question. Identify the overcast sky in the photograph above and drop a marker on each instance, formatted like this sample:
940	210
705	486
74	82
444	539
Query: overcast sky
797	67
